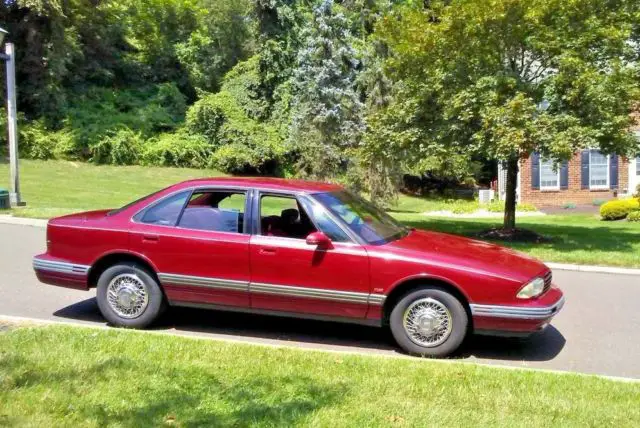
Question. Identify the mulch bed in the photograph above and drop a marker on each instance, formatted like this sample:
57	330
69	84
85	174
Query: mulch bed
515	235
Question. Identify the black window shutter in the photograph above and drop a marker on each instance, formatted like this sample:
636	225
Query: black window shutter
535	171
613	170
564	175
585	168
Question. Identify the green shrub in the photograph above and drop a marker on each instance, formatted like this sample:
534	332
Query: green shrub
495	207
124	147
526	208
178	149
618	209
207	116
634	216
569	206
465	207
38	142
241	145
598	202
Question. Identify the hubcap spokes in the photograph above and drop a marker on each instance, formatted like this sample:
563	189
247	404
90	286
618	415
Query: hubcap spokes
127	295
427	322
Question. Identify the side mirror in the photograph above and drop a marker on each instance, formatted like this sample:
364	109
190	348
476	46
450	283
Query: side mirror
319	239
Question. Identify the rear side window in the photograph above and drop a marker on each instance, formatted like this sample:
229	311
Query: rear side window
167	211
215	211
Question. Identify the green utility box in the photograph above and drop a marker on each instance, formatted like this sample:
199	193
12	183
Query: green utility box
4	200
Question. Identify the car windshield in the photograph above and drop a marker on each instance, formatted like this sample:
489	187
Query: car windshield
372	224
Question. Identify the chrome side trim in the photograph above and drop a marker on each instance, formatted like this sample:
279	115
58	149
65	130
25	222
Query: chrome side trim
61	267
517	311
273	289
314	293
199	281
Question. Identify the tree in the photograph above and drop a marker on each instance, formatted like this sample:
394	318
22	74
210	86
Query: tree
506	78
327	111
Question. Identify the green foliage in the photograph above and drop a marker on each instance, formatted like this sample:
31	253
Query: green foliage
327	111
498	206
121	148
569	206
229	121
178	149
618	209
634	216
502	79
526	208
37	142
221	39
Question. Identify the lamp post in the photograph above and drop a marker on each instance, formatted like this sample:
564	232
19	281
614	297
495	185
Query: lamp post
12	119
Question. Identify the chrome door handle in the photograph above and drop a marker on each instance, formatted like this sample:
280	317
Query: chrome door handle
268	251
150	238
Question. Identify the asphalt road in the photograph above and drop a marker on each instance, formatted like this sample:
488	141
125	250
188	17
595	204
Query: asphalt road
597	332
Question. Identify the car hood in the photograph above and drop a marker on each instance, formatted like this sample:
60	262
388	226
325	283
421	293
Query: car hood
468	254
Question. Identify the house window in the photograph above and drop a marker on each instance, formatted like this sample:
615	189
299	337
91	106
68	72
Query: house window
549	175
598	170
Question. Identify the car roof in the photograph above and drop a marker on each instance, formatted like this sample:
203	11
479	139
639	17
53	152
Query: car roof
266	183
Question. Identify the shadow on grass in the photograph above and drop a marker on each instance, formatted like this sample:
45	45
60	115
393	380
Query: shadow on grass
137	392
564	236
543	346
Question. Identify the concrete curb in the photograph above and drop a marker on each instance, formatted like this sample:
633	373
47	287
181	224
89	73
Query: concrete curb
34	222
593	269
7	319
21	221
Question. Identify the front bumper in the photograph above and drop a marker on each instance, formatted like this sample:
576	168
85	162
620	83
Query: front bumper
521	320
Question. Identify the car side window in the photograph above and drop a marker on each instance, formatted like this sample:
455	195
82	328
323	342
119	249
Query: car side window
167	211
281	215
326	224
215	211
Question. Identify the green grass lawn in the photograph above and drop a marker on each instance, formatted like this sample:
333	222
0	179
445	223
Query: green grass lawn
55	187
69	376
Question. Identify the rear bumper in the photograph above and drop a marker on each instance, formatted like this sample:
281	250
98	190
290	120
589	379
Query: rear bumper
61	273
520	320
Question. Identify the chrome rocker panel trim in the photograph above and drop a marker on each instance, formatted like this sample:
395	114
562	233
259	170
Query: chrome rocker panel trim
272	289
60	267
517	312
199	281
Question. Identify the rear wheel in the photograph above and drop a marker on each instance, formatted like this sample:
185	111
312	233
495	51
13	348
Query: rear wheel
429	321
129	296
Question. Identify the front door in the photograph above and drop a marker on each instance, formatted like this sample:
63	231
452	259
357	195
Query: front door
199	244
289	275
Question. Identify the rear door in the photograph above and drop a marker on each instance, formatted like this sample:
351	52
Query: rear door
289	275
199	243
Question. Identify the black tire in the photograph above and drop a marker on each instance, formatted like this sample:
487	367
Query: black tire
155	298
458	316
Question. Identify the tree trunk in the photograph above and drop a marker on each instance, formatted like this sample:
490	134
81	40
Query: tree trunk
510	200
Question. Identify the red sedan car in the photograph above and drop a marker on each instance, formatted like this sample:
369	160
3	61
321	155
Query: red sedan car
300	249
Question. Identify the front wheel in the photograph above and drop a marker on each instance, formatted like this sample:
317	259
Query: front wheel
429	322
128	296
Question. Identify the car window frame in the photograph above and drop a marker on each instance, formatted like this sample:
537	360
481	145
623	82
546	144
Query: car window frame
301	199
246	229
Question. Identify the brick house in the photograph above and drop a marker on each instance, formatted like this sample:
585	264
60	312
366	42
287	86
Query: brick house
588	177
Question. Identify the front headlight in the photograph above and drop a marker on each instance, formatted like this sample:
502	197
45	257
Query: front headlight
532	289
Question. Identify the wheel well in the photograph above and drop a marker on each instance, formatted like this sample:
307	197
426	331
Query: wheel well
107	261
407	286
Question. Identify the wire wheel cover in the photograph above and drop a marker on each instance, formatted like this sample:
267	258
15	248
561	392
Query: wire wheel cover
427	322
127	296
